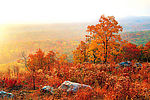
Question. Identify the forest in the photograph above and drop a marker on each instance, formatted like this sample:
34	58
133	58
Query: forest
115	67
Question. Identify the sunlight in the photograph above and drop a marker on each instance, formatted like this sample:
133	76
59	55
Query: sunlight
74	49
2	33
61	11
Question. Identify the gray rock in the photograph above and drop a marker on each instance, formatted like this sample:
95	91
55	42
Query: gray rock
72	86
47	89
125	64
5	94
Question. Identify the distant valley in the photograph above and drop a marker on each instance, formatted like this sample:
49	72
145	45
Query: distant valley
28	37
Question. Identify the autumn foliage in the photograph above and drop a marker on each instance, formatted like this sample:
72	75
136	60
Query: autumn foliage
102	43
95	63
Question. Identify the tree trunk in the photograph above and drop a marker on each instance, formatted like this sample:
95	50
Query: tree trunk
105	51
94	57
33	78
33	82
147	59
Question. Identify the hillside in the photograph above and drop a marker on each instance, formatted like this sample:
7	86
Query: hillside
12	51
73	31
60	37
31	32
137	37
135	23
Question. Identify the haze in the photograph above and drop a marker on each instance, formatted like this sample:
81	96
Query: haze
68	11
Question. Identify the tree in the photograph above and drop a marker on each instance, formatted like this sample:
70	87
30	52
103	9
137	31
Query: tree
131	52
50	59
103	39
141	48
147	51
79	55
24	60
40	61
34	63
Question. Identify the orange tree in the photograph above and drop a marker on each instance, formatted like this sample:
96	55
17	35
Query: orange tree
79	55
102	42
50	60
147	51
34	63
103	39
40	61
141	48
131	52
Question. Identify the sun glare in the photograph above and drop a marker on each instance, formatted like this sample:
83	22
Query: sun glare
2	33
61	11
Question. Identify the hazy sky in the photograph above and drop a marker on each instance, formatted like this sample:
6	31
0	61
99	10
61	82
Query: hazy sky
61	11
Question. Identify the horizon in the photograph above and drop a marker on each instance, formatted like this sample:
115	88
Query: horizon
58	23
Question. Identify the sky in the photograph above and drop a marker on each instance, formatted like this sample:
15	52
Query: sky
68	11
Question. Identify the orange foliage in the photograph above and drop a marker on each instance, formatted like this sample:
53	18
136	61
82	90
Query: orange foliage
108	81
131	52
102	43
79	55
147	51
103	40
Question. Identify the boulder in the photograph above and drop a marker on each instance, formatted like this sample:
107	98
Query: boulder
4	94
125	64
47	89
138	64
72	86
